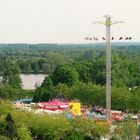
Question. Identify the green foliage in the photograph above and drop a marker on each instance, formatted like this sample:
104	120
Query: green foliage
134	101
4	138
2	125
15	81
47	82
84	71
89	129
98	71
89	61
26	125
55	59
11	74
65	74
48	127
126	131
75	136
12	93
42	94
91	94
36	68
10	129
120	98
87	93
5	107
49	92
27	68
44	126
23	133
78	71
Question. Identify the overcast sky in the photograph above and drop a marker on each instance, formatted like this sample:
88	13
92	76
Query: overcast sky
65	21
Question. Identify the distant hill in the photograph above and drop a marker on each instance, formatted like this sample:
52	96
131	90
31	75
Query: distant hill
49	45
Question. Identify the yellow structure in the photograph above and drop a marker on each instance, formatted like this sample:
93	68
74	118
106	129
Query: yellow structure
75	108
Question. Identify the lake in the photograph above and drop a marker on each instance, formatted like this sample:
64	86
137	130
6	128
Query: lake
30	80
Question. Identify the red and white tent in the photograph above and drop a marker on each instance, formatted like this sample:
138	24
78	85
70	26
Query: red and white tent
53	105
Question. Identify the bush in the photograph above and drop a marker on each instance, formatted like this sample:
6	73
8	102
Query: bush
23	133
4	138
126	131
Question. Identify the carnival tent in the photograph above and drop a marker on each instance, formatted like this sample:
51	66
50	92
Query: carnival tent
53	105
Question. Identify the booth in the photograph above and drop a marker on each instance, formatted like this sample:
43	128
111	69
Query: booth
75	107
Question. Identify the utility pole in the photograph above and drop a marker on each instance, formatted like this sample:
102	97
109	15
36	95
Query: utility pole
108	23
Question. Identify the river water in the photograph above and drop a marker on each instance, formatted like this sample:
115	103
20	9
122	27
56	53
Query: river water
30	80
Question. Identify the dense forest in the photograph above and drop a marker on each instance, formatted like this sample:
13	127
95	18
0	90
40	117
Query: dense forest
43	58
77	70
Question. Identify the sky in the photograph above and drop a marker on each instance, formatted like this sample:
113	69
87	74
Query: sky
66	21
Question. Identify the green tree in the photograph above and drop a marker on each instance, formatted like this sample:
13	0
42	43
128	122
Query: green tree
27	68
15	81
55	59
42	94
65	74
5	107
23	133
10	129
47	82
87	93
120	98
4	138
36	68
125	131
11	75
98	71
46	68
84	71
134	101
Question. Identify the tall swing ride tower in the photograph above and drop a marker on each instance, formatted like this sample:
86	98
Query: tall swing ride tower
108	23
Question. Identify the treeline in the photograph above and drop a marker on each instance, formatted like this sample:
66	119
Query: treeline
91	94
35	65
86	81
11	93
44	58
124	72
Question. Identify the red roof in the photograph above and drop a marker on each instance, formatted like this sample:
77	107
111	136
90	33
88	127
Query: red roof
53	105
